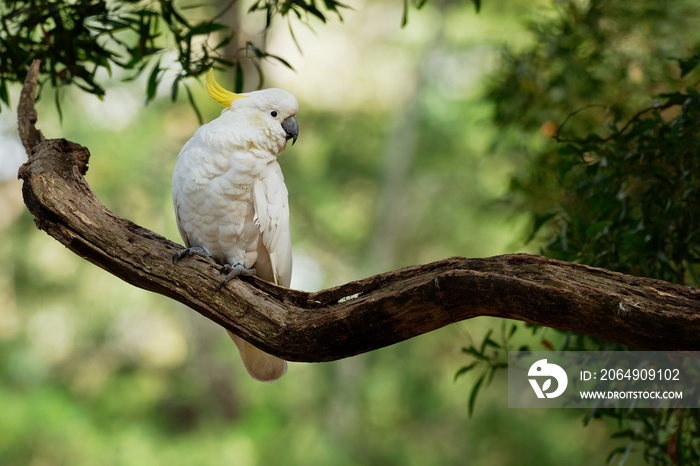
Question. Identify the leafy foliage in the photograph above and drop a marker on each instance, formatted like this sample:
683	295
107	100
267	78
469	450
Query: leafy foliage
626	198
75	40
631	203
302	9
632	198
489	358
609	53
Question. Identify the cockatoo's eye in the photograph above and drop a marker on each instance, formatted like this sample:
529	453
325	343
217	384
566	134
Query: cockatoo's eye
273	114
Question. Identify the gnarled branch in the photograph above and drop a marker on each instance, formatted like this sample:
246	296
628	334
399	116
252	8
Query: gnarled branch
359	316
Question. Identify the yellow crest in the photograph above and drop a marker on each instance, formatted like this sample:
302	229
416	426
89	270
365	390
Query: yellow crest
220	94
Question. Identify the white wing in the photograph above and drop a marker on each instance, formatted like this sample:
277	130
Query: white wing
274	262
181	190
272	217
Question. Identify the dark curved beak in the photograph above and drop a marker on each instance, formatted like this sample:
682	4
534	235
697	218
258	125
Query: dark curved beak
291	129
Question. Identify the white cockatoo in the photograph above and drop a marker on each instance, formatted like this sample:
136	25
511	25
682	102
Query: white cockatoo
230	198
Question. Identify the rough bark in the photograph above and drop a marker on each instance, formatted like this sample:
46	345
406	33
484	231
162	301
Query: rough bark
358	316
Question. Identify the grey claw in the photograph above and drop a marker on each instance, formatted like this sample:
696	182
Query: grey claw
233	271
191	251
179	255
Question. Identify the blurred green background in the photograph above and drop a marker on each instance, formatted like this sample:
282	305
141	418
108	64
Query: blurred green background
409	141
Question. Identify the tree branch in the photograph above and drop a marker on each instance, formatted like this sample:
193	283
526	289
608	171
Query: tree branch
359	316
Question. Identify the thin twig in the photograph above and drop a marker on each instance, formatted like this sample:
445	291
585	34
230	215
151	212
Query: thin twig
617	133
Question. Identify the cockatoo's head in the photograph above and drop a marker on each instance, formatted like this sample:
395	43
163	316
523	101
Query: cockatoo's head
268	114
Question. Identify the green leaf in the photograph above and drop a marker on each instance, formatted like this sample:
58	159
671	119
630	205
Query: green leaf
492	371
4	95
627	433
310	8
174	88
487	341
615	453
225	41
688	64
193	104
404	18
491	343
513	329
170	14
152	87
598	227
464	370
138	72
283	61
472	396
204	28
238	81
474	352
57	101
538	222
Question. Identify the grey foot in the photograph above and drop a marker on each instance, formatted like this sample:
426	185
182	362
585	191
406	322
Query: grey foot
191	251
233	271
